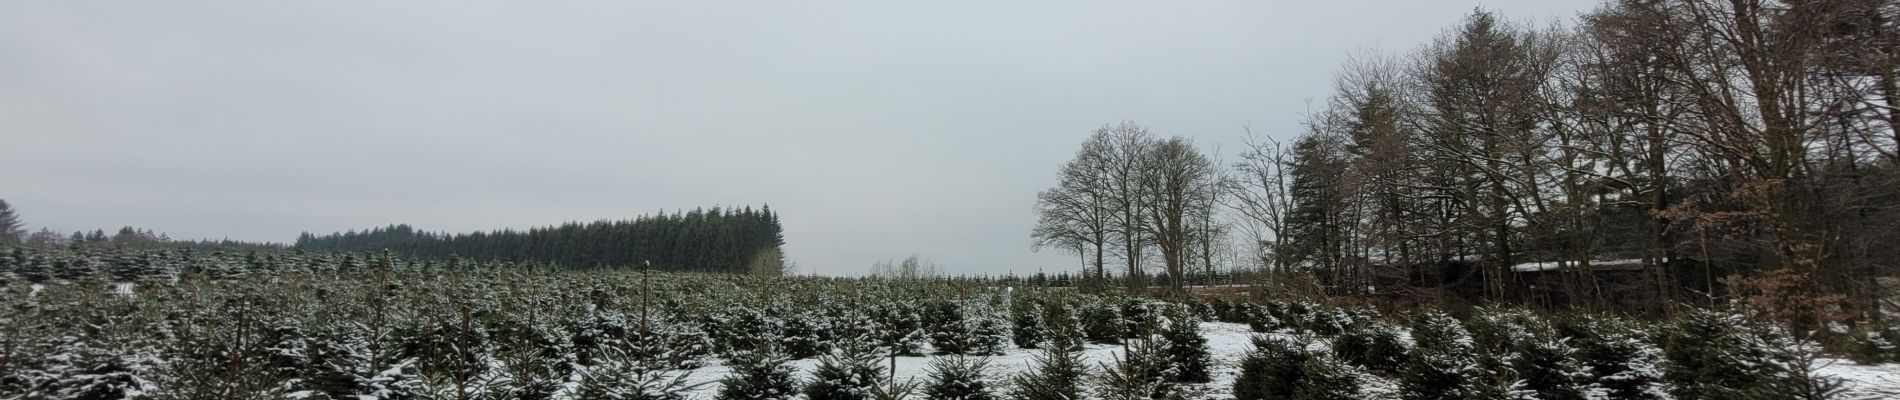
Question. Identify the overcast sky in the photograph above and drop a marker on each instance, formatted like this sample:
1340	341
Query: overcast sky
877	129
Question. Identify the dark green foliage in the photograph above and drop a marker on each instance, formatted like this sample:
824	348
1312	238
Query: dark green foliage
900	326
1028	327
1373	345
850	372
1872	344
758	375
967	327
1259	318
1063	327
618	375
948	333
1329	321
1273	369
1517	346
1142	372
1620	361
1058	375
1186	348
1545	365
800	337
1444	364
1139	318
1715	355
958	378
1102	323
1326	378
723	240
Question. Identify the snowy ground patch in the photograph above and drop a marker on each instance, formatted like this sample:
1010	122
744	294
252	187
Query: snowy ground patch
1229	342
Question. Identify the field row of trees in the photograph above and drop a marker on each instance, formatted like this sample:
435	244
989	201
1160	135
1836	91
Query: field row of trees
716	239
1751	138
337	326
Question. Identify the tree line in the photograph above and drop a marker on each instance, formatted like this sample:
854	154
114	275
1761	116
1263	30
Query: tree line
716	239
1701	139
1135	197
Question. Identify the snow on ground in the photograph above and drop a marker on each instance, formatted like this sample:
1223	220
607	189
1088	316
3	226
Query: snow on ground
1864	382
1229	342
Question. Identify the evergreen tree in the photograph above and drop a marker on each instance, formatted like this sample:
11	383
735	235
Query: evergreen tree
12	231
1372	345
1622	363
1323	377
1102	323
1058	375
1186	348
760	374
1716	355
1444	364
1273	369
850	372
1029	328
958	378
1141	372
618	375
1063	328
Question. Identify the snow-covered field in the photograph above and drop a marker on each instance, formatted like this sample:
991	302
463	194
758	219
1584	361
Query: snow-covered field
1228	342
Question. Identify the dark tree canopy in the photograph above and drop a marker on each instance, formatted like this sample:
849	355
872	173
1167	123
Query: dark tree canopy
722	240
10	225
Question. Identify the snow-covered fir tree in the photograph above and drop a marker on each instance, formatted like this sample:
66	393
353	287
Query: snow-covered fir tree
850	372
1274	367
1141	372
1323	377
958	377
1621	363
758	374
1101	321
1722	355
1027	325
1373	345
1186	348
1444	364
1057	374
618	375
900	326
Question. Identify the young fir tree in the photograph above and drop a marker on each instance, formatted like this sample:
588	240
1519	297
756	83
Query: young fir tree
1622	364
618	375
1326	378
850	372
1523	351
1101	322
1273	369
1064	328
989	330
1260	318
1139	318
900	326
1717	355
1444	365
759	374
1057	375
959	378
949	328
1186	348
1141	372
1029	328
1372	345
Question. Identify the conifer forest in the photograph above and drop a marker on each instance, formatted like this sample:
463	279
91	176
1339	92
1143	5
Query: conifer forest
1638	200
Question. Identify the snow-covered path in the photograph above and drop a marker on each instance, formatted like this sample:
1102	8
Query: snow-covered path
1228	342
